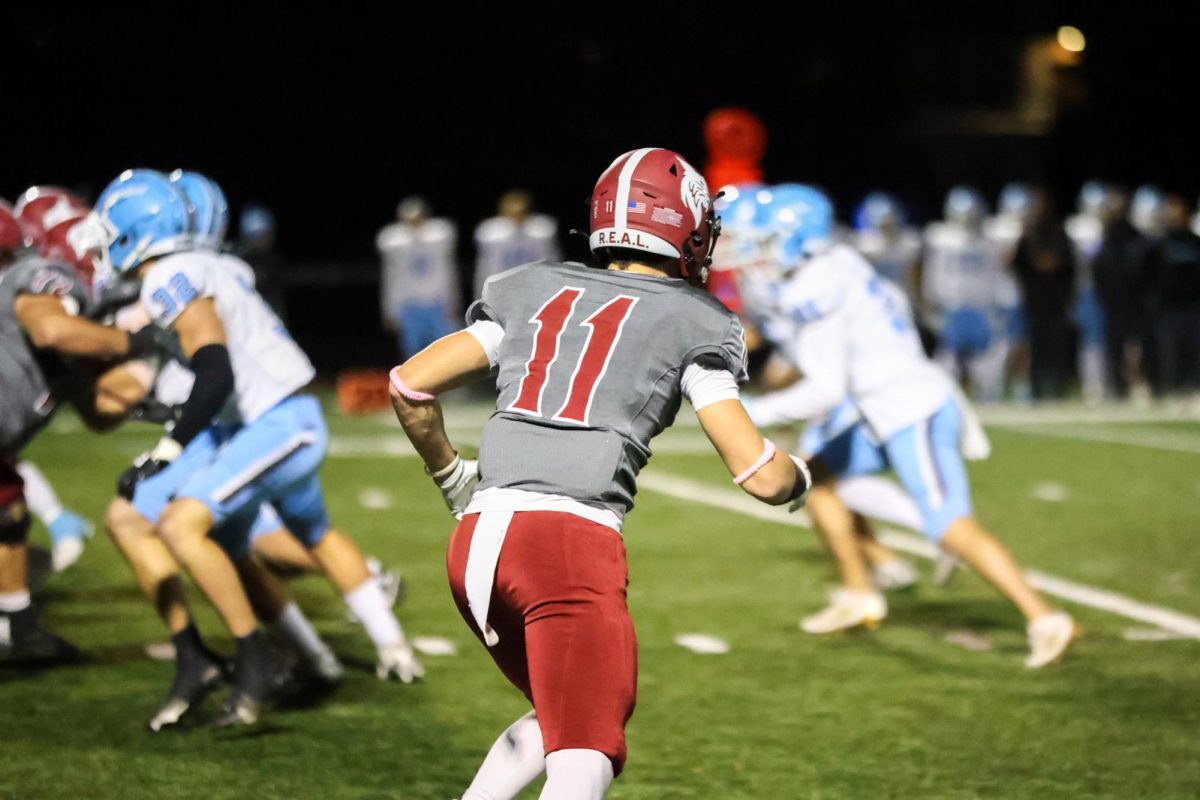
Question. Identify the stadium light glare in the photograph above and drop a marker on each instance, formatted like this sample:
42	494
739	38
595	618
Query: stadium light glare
1071	39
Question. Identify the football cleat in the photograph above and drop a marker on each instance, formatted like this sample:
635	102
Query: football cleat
847	609
399	660
894	575
258	674
24	641
1049	638
191	685
239	709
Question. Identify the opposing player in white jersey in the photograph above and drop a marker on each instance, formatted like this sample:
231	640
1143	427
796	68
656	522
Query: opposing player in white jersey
513	237
970	299
246	434
851	341
745	253
1086	229
169	384
419	284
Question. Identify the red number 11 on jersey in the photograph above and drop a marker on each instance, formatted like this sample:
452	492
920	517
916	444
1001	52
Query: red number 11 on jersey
604	330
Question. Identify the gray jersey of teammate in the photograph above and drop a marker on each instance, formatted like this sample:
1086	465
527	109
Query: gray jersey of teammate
588	372
31	381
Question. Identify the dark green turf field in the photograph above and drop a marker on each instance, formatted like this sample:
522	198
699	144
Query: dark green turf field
898	713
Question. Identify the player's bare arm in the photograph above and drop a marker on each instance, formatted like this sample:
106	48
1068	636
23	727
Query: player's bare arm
202	337
49	325
450	362
198	325
740	445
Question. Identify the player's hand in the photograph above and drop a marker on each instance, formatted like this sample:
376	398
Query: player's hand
149	340
804	483
147	464
457	482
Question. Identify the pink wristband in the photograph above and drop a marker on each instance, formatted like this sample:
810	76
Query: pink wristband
767	454
411	394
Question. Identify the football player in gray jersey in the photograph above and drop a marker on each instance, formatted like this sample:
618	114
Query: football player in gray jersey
48	353
591	364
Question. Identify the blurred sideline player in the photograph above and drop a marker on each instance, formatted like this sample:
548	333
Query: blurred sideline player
852	341
38	209
419	282
970	300
1086	229
1014	213
884	237
246	434
48	353
513	237
591	364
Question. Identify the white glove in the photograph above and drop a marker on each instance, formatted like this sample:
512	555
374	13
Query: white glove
803	476
399	659
457	482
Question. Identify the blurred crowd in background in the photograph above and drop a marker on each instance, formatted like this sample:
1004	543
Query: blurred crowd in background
1019	299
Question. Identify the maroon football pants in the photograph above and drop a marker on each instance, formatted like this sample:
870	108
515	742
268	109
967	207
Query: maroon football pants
566	638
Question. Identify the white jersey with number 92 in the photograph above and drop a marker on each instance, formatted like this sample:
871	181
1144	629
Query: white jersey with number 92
267	364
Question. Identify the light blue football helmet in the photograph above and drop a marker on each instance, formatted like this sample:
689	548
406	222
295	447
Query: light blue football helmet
1146	210
210	211
965	206
1016	199
1093	197
144	216
740	211
877	210
799	220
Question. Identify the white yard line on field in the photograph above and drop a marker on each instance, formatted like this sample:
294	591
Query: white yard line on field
706	494
1171	441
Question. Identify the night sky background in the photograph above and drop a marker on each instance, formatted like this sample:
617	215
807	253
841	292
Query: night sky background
330	117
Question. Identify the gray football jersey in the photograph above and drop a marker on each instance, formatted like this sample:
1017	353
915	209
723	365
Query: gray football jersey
588	373
30	380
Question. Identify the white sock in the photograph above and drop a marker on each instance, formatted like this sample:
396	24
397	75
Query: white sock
297	631
880	498
370	607
513	763
39	494
12	602
577	775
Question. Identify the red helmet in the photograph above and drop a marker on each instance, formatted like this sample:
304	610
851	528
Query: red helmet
10	230
653	201
67	242
40	208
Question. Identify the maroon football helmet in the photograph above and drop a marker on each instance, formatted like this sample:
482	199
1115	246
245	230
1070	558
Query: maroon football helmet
65	242
652	200
11	239
40	208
